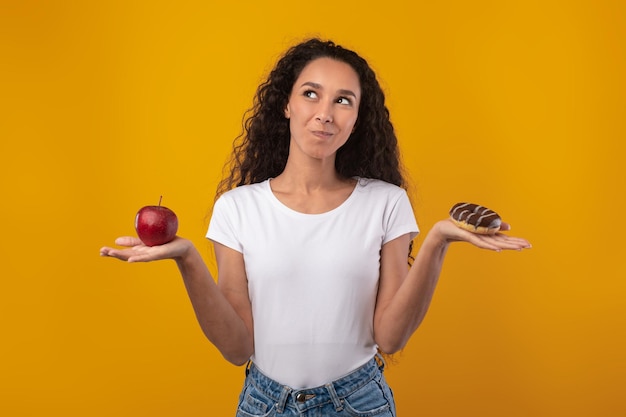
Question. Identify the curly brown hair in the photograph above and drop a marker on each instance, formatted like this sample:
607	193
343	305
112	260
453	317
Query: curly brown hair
261	150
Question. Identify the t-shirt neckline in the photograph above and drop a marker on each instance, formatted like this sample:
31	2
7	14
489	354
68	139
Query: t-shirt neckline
288	209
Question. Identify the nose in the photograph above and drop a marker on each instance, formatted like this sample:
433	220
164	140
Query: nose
324	113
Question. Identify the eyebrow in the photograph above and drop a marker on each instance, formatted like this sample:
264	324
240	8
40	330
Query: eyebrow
319	87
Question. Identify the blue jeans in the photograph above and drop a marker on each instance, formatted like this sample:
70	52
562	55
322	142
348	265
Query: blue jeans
363	392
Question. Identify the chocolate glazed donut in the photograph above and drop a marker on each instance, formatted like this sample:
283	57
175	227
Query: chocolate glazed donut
475	218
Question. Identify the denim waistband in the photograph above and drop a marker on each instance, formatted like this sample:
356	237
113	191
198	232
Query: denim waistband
304	399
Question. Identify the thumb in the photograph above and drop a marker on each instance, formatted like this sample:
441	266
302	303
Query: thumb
128	241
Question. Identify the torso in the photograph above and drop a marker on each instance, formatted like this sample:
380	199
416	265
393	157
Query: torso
312	277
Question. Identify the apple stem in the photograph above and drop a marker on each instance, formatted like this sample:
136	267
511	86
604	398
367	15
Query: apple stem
160	198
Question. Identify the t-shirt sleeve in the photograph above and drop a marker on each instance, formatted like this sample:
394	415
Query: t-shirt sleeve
224	224
400	219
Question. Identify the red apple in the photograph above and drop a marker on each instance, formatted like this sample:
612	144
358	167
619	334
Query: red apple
156	225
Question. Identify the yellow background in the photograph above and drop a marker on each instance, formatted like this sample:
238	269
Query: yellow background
105	106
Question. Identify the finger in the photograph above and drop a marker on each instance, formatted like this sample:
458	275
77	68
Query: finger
508	242
128	241
141	257
505	227
114	253
484	242
499	242
508	238
511	245
145	254
104	251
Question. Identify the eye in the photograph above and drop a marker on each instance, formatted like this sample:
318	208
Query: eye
344	100
310	94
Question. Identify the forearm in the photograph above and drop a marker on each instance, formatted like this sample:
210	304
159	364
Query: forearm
409	305
218	319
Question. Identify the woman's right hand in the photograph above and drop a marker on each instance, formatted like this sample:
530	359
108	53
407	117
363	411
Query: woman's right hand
135	251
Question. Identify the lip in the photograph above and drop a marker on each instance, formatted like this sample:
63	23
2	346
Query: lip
322	134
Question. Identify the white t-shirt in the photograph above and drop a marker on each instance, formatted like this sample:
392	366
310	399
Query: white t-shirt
312	278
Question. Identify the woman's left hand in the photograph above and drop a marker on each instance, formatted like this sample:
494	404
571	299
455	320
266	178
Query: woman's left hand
449	232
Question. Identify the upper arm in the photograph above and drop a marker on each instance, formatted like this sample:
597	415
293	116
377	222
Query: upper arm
233	282
393	270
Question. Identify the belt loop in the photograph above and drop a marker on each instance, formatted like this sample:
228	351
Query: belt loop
280	405
333	395
248	367
380	360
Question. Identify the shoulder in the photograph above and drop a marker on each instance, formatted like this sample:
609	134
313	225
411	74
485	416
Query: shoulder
379	188
244	192
242	199
375	193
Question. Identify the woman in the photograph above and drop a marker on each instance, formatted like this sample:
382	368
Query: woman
311	232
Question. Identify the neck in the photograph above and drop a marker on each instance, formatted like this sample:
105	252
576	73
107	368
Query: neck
310	177
306	174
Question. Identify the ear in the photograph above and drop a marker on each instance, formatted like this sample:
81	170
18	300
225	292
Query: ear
287	113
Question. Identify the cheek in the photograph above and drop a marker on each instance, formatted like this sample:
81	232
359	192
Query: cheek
353	125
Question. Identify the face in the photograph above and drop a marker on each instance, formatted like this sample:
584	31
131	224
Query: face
323	108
